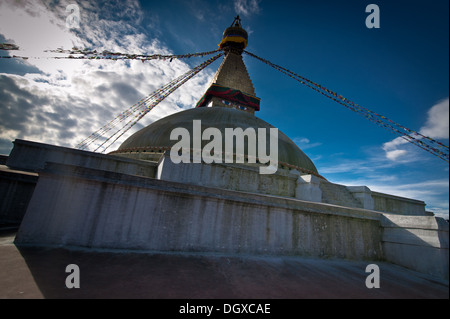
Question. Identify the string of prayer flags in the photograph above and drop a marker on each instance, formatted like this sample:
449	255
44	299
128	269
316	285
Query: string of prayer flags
8	46
137	111
87	54
430	145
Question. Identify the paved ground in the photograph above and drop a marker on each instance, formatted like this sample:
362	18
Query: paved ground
40	273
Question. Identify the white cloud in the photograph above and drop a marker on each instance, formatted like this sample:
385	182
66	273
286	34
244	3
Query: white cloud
69	99
394	144
392	150
395	154
247	7
436	127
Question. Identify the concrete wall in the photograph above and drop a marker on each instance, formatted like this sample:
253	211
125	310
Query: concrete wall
32	156
80	206
363	195
91	208
16	189
237	177
398	205
76	206
17	183
284	182
417	242
338	195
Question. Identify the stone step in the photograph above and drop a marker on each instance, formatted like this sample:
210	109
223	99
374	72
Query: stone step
338	195
417	242
417	222
415	230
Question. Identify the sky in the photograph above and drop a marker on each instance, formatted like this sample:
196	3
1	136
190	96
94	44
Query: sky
399	70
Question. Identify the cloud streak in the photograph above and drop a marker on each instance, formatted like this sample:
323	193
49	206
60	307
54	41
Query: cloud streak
247	7
304	143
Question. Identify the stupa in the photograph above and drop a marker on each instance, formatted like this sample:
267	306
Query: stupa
137	198
230	102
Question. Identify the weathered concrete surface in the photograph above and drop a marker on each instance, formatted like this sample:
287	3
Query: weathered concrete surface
29	272
75	206
17	180
91	208
364	195
32	156
308	187
398	205
16	189
417	242
238	177
338	195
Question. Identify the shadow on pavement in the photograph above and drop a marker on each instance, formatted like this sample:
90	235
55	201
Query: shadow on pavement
192	276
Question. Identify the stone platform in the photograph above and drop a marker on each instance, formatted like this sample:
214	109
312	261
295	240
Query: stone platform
97	202
29	273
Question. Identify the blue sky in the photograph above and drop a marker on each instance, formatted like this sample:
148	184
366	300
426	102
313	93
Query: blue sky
399	70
